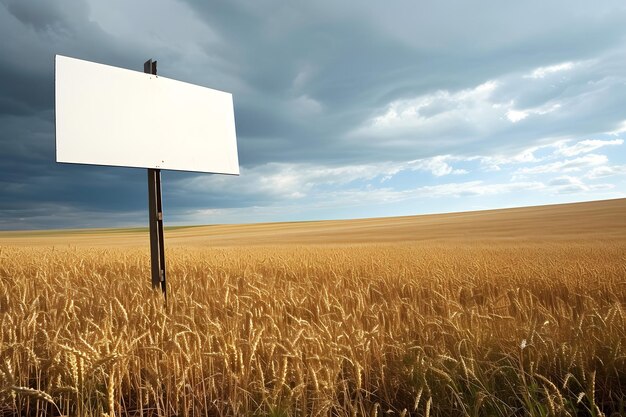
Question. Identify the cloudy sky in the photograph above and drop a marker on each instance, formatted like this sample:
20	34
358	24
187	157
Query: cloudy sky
343	109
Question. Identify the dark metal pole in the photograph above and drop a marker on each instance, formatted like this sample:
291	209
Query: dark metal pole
155	209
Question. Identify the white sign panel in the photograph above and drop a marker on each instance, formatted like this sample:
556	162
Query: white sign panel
112	116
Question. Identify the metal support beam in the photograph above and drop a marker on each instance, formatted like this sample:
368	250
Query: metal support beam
155	209
157	249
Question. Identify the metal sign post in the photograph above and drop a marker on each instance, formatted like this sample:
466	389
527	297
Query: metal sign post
155	209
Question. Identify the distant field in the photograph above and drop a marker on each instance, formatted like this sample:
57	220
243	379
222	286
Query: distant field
517	312
605	220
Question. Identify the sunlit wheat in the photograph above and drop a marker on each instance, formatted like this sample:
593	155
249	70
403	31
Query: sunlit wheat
440	329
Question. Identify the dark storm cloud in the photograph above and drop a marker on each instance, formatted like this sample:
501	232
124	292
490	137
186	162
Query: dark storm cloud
354	60
46	215
34	188
308	81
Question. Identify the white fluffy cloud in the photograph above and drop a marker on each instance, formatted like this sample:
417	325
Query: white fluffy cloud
293	181
478	188
568	184
324	186
518	115
518	110
568	165
585	146
542	72
606	171
438	112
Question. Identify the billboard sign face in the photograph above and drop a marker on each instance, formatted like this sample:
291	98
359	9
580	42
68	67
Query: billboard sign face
117	117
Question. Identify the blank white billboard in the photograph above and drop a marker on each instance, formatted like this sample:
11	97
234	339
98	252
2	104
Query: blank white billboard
112	116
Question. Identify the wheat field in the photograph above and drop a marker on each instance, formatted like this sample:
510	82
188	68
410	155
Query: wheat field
502	313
